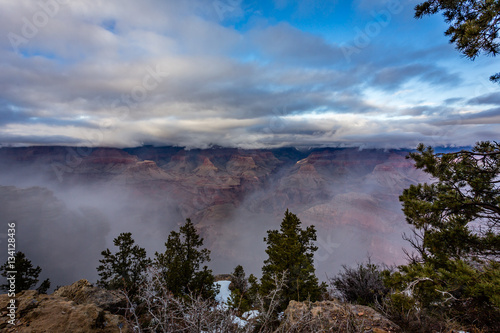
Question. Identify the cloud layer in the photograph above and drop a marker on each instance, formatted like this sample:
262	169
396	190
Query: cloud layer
236	73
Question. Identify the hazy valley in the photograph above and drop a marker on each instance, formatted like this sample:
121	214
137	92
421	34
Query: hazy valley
69	203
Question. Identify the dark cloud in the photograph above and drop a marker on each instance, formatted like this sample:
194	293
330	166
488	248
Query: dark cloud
392	78
491	116
286	44
33	140
492	98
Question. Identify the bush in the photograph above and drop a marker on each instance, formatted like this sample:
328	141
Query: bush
457	296
361	285
159	311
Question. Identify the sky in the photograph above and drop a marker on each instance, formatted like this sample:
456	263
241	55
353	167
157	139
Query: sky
237	73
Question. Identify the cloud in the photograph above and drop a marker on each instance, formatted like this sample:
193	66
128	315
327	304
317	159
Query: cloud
392	78
491	116
166	72
492	98
285	44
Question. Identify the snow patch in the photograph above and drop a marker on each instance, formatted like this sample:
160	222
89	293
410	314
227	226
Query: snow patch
224	293
252	314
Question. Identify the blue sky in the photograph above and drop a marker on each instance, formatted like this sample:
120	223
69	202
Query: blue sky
249	74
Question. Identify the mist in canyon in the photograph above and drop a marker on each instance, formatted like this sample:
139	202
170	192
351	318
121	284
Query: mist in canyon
70	203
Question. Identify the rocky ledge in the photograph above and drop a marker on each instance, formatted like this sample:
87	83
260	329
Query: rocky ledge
82	308
78	308
334	316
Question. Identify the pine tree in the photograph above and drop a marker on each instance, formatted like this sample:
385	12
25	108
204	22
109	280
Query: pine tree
473	25
26	275
125	268
253	290
291	250
239	290
44	286
239	280
456	270
458	213
181	261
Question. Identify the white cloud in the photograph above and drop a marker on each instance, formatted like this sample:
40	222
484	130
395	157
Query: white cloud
168	72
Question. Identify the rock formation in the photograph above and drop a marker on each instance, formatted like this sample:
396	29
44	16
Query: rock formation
333	316
82	292
78	308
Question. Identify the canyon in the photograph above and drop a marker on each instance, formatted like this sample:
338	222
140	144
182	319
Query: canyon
70	202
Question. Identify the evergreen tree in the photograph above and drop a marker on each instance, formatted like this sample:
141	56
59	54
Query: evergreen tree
456	270
44	286
253	290
239	290
458	214
291	250
474	25
181	261
239	280
26	275
125	268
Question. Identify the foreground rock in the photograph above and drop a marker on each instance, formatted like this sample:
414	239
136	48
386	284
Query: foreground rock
53	313
82	292
333	316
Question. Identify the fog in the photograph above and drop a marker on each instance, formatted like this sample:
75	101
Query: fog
62	226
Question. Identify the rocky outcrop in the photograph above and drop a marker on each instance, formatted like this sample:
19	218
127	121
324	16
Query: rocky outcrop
142	171
206	169
333	316
52	313
82	292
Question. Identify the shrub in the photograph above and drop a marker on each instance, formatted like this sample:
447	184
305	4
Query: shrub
362	285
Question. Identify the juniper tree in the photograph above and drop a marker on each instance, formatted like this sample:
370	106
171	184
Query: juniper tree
181	262
125	268
291	250
26	276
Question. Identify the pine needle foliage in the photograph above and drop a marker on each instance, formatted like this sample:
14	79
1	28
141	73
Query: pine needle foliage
473	25
181	264
291	249
124	269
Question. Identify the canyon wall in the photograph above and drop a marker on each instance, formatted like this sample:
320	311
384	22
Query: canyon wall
70	203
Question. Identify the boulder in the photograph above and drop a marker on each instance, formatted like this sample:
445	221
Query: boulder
51	313
334	316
